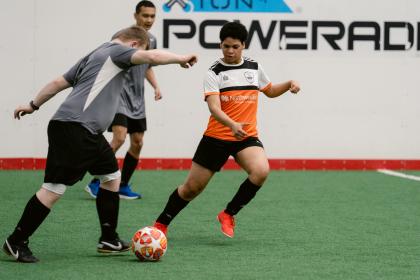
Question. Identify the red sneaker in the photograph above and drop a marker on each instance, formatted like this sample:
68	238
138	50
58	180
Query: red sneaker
163	228
227	223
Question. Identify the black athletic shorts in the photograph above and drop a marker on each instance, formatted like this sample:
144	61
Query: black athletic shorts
213	153
132	125
73	151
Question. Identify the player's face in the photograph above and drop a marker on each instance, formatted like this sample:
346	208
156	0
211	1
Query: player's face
232	50
145	17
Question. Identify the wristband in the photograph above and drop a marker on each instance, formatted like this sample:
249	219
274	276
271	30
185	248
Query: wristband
33	105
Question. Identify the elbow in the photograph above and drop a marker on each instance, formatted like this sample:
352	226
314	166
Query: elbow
269	94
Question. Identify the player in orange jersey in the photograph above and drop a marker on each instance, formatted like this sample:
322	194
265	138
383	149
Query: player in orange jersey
231	91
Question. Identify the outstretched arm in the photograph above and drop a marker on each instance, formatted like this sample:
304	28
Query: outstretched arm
161	57
48	91
151	78
216	111
278	89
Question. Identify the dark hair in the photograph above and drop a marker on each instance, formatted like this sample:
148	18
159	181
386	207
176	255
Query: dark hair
133	33
144	3
233	30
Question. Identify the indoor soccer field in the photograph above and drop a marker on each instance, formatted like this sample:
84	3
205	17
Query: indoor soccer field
302	225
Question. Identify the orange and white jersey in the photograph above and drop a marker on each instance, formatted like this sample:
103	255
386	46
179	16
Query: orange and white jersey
238	87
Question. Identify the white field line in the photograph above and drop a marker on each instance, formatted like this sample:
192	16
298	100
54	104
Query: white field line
399	174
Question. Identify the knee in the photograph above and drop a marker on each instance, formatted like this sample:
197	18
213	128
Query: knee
259	175
118	141
137	144
47	198
190	189
112	185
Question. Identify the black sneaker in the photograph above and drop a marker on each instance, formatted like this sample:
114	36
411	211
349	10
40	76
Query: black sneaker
20	251
112	246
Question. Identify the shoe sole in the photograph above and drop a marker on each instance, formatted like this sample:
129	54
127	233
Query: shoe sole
104	251
129	197
87	189
230	236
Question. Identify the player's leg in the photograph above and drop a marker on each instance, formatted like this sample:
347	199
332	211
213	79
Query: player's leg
210	156
118	128
105	168
63	156
196	181
136	129
35	212
119	133
254	161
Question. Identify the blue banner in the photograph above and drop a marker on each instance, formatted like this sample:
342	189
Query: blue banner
229	6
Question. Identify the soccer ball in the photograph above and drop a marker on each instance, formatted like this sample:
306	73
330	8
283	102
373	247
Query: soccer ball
149	244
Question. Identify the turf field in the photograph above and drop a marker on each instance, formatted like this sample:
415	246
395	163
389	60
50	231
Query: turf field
302	225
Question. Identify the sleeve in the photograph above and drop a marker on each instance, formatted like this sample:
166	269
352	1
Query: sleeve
72	74
264	82
121	56
211	84
152	46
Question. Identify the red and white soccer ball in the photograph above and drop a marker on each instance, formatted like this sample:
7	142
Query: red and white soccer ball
149	244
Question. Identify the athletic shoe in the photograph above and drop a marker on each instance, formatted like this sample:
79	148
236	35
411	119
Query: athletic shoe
112	246
227	223
93	187
126	192
163	228
20	251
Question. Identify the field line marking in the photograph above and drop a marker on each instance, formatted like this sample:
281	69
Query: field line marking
398	174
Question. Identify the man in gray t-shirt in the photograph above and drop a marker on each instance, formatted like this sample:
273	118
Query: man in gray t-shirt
131	114
75	141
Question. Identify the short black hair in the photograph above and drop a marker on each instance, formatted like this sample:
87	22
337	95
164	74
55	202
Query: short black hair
235	30
144	3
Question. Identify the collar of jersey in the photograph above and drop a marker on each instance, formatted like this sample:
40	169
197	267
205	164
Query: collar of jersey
232	65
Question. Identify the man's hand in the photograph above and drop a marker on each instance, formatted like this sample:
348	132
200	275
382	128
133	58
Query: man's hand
188	61
294	87
238	131
23	110
158	94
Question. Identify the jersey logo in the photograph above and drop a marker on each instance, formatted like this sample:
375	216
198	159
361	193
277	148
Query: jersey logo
249	76
108	72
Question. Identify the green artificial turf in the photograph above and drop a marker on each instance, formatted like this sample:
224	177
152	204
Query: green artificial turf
301	225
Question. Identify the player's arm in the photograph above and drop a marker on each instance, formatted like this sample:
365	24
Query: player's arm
161	57
151	78
278	89
47	92
213	101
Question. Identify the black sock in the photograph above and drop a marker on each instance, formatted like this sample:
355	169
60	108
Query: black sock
107	205
129	165
32	217
243	196
174	205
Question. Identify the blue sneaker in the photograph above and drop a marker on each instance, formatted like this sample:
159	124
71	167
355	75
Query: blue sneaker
93	187
126	192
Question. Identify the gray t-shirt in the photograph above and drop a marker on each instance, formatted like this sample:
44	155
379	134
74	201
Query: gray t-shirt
132	102
97	81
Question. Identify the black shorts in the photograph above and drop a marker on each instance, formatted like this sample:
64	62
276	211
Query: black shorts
213	153
73	151
132	125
